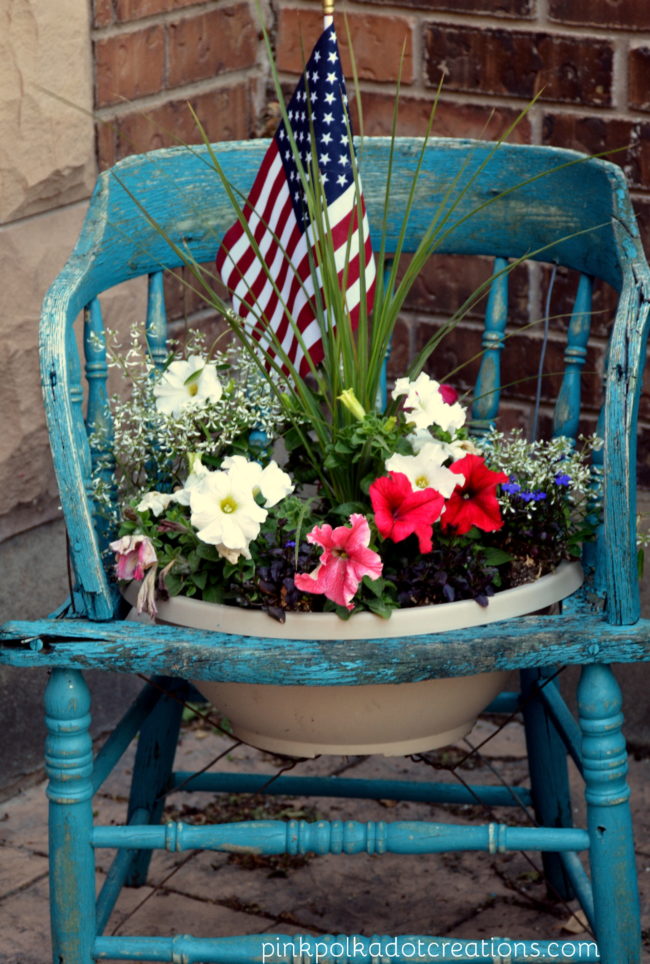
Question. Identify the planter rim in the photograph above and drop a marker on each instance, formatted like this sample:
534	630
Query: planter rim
442	617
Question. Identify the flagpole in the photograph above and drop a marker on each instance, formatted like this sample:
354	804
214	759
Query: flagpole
328	13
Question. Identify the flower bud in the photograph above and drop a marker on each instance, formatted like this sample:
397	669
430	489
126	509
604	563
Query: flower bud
194	461
352	403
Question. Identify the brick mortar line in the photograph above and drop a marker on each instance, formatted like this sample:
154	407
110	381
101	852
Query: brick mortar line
159	20
488	100
542	12
162	97
417	316
619	73
418	90
452	18
535	119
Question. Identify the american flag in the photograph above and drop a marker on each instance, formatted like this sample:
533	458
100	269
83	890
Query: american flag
278	219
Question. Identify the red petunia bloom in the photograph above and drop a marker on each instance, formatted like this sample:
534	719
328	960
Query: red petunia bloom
474	503
400	511
449	393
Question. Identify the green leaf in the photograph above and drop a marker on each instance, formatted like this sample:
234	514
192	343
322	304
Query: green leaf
380	607
375	586
200	578
194	377
213	594
206	551
346	509
174	584
496	557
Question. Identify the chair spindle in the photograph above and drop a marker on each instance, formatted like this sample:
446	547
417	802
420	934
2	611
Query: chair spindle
488	384
567	407
98	417
156	326
76	406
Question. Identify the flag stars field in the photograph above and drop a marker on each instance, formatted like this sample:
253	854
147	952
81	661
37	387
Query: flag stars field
276	296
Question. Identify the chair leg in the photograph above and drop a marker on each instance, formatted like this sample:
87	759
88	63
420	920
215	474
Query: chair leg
549	778
609	821
69	765
153	765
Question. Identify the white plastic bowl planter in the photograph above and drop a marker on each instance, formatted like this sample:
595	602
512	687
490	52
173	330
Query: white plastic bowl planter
392	719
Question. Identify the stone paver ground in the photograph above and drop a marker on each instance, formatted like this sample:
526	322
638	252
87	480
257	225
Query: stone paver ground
473	895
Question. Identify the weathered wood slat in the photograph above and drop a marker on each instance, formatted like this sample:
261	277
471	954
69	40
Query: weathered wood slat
340	837
175	651
352	788
340	949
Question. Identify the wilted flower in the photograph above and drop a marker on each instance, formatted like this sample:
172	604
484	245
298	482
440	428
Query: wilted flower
135	554
146	600
187	383
346	559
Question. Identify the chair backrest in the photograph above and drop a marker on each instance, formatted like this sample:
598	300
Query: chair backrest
508	202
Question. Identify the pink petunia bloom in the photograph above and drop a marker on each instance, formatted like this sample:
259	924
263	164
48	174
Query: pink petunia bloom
346	559
401	511
449	393
474	503
135	554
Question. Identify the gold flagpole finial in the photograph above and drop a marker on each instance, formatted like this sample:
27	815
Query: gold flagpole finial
328	8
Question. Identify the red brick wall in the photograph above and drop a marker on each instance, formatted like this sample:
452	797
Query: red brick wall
153	56
590	59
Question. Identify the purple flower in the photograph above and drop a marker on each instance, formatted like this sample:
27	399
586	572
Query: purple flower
562	479
532	496
511	487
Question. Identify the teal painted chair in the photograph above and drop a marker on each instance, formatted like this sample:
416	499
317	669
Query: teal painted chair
558	195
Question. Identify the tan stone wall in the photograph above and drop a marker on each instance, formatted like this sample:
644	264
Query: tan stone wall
77	84
47	169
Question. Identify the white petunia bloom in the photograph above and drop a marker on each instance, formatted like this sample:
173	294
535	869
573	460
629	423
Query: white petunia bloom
455	450
426	406
270	482
460	448
186	383
225	513
155	502
425	470
421	437
194	480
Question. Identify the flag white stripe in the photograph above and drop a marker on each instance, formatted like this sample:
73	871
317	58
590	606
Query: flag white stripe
258	266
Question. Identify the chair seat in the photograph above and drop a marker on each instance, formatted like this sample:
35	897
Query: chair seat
530	641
